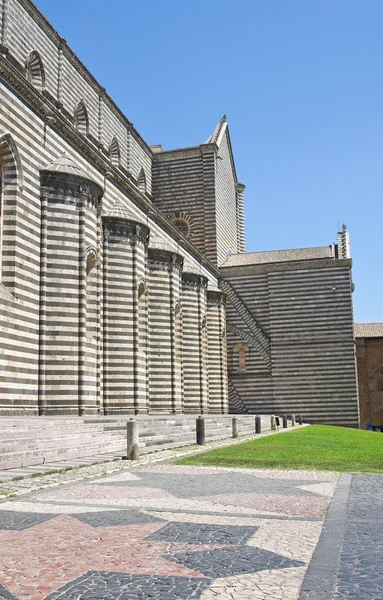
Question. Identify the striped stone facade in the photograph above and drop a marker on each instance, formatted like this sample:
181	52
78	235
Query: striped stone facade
197	189
97	314
119	262
290	336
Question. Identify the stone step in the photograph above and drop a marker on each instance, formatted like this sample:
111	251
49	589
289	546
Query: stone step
63	441
34	457
35	440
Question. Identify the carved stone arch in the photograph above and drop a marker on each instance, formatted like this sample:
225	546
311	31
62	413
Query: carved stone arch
35	70
11	177
91	259
9	152
142	181
114	152
81	118
142	290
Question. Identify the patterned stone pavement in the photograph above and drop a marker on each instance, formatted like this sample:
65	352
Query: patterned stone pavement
347	562
163	531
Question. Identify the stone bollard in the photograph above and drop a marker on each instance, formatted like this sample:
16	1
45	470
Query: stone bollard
258	425
300	420
273	425
200	431
133	450
292	420
284	421
234	426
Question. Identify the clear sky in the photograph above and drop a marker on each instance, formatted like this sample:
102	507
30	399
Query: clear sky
301	84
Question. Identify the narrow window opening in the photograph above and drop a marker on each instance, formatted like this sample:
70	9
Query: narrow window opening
142	181
81	118
114	152
1	223
35	71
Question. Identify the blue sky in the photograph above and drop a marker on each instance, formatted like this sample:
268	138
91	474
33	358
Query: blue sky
301	83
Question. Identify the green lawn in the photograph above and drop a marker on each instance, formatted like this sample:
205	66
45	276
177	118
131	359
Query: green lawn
321	447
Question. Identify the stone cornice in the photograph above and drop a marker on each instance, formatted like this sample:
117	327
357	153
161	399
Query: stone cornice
176	154
120	227
194	279
216	298
61	184
161	256
239	271
14	78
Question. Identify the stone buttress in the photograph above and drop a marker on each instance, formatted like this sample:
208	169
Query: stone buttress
69	340
194	322
165	337
216	351
125	312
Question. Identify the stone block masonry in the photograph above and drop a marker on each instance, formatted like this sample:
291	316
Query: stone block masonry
119	260
96	318
303	309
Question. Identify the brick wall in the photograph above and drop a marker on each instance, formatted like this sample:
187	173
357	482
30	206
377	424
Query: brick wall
369	355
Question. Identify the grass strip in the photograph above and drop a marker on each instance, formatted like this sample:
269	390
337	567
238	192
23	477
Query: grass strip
317	447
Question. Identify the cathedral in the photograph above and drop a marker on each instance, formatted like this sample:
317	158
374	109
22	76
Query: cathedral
125	283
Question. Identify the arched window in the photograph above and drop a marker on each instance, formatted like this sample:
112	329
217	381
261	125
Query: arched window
11	182
35	70
81	118
240	357
142	316
91	294
142	181
114	152
178	343
1	217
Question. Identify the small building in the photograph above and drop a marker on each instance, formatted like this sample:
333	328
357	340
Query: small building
369	356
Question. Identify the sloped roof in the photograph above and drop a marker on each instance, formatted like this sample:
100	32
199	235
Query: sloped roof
217	137
119	211
368	330
218	132
65	164
278	256
158	243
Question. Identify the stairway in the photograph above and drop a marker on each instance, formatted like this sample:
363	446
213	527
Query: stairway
236	403
254	332
29	441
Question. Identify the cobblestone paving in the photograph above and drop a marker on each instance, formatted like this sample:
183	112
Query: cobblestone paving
161	531
360	573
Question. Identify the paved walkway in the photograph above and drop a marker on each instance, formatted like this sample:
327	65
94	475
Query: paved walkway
167	532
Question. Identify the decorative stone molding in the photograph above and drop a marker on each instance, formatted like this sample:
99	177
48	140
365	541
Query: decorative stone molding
216	298
71	187
194	280
124	228
165	257
329	263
